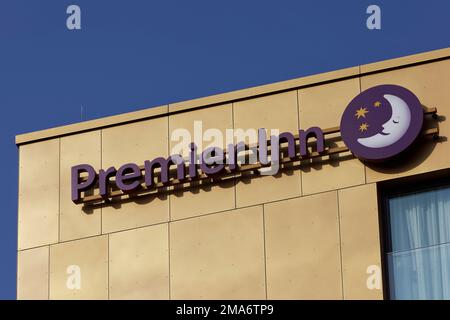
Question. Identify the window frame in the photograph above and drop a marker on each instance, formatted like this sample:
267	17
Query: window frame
393	188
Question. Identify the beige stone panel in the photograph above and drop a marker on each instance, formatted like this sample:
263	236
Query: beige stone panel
198	200
261	189
85	260
280	112
360	241
77	220
331	172
38	194
201	125
123	214
302	248
139	263
218	256
430	83
32	274
323	106
135	142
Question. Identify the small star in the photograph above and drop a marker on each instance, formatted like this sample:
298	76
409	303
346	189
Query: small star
361	112
377	104
363	127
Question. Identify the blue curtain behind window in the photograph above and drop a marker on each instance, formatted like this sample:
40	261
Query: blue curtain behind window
419	264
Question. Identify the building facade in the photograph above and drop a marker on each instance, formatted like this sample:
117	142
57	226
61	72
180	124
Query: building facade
332	226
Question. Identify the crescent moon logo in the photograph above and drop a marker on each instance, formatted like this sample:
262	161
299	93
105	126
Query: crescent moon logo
394	129
381	122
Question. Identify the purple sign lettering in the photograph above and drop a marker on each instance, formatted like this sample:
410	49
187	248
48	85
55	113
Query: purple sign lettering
128	178
77	186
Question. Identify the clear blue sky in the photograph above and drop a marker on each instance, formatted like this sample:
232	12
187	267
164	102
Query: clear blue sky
136	54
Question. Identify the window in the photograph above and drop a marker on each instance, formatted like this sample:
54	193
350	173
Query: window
418	246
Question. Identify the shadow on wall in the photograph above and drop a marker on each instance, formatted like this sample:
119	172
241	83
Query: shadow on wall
416	154
227	180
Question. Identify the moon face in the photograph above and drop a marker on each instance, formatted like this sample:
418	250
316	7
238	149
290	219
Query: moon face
394	129
381	122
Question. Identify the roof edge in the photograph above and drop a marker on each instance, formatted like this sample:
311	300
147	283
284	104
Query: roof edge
232	96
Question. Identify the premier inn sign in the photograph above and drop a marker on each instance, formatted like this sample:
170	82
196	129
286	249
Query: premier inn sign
377	125
213	161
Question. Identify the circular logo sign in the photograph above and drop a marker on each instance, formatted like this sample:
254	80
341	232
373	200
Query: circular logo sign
381	122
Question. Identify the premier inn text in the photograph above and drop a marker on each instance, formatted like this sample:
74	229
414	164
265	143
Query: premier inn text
212	162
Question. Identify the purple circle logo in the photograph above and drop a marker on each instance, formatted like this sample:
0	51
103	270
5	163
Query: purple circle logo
381	122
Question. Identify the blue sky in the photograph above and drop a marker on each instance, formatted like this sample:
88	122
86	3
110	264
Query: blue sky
131	55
